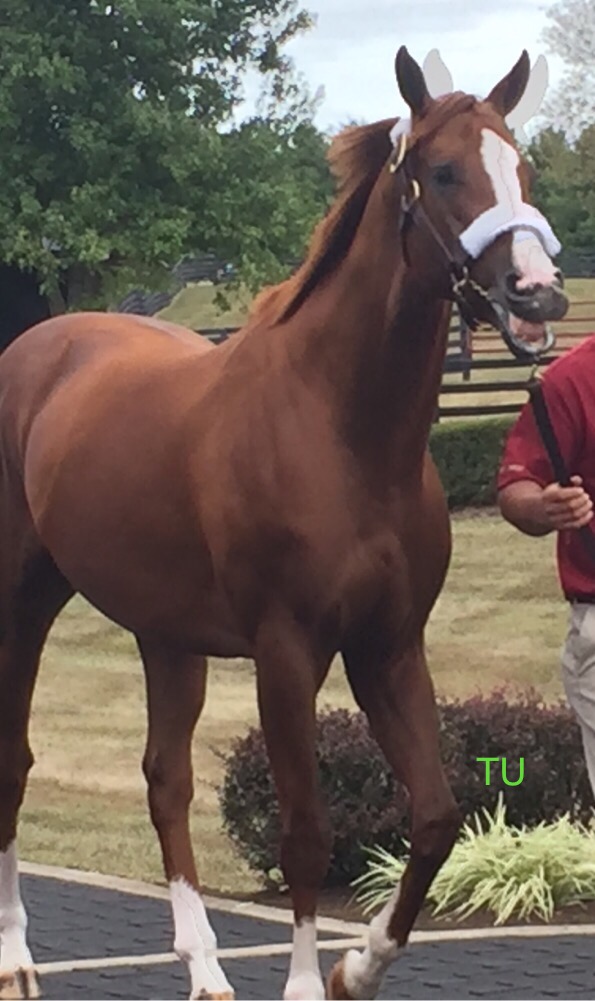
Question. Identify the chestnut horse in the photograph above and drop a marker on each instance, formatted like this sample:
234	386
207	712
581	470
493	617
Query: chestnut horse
272	498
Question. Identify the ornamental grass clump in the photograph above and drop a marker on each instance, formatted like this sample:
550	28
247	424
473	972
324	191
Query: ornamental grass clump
510	872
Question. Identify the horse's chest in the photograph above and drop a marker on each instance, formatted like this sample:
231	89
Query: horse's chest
349	575
370	571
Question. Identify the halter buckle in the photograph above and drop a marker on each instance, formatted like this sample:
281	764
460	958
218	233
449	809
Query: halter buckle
408	201
399	154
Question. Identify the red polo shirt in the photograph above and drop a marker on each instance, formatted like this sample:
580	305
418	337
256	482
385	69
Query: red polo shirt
569	392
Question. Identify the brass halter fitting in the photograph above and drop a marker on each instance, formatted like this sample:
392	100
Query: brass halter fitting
399	154
415	191
397	159
409	200
460	280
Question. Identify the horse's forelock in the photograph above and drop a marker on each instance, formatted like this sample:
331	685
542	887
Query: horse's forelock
441	112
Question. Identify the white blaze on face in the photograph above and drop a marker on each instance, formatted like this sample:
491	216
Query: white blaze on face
501	162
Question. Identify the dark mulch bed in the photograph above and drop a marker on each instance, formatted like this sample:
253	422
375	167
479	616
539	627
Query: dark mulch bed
340	904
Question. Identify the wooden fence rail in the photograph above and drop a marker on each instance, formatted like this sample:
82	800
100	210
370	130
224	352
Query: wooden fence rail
465	392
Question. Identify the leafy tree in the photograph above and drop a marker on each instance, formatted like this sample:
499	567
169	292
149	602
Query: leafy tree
277	186
571	35
115	156
565	188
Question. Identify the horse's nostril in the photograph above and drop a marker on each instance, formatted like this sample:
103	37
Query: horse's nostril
510	281
528	291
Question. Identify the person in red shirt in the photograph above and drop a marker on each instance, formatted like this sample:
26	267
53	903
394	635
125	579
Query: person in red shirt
531	500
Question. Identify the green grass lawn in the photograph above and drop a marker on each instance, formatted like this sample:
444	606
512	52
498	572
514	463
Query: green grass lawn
499	622
196	307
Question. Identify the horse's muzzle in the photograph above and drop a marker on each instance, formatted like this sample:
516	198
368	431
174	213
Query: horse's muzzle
536	304
525	313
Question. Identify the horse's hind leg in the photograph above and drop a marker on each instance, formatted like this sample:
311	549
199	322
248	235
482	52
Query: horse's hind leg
32	592
176	686
398	698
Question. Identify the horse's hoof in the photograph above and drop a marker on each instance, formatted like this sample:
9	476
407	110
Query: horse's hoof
205	996
335	984
19	984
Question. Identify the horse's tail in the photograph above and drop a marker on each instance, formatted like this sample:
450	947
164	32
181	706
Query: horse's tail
22	303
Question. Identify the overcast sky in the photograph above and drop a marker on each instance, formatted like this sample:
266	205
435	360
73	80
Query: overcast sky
351	50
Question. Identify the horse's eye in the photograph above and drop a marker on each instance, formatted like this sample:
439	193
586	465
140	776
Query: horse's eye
444	175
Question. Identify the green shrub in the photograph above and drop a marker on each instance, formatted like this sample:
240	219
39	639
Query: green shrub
363	798
508	871
467	454
368	807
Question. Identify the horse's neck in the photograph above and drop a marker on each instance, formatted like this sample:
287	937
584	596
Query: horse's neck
378	345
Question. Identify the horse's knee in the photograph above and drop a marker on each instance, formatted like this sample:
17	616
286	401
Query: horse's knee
306	848
169	788
433	837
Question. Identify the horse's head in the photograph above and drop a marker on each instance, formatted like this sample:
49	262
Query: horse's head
468	226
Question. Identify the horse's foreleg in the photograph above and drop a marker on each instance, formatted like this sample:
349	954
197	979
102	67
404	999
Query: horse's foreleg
176	685
29	603
398	699
17	972
288	681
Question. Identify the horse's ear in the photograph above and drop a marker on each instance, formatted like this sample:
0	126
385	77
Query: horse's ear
412	83
506	95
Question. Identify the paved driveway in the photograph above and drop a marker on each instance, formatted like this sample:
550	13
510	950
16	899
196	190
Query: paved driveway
94	941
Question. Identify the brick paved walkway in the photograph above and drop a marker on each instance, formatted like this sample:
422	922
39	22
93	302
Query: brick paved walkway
79	935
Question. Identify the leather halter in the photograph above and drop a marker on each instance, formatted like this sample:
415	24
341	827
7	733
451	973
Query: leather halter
465	292
458	261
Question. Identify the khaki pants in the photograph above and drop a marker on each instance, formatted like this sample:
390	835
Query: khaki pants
578	675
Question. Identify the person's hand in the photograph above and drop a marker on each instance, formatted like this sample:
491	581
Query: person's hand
567	507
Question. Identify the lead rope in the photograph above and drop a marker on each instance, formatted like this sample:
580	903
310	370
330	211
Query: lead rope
552	448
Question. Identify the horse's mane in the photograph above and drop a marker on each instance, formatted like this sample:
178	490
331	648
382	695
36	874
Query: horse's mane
356	156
